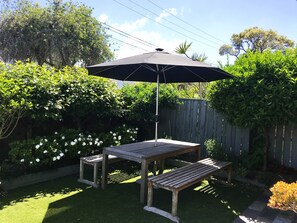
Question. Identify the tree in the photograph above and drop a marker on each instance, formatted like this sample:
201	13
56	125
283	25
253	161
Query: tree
59	34
255	39
183	49
191	90
262	95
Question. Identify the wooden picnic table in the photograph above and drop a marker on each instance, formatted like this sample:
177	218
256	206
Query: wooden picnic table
146	152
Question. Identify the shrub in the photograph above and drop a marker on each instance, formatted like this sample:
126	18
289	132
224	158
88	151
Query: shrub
140	104
284	196
215	150
65	147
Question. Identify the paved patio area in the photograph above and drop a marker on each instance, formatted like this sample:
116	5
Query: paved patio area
258	212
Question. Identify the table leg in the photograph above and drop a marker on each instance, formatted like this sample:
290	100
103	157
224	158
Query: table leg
198	154
143	184
104	171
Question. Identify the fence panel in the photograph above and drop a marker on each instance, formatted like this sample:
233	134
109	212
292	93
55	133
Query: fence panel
196	121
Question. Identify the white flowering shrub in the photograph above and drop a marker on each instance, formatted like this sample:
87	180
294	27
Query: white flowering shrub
66	147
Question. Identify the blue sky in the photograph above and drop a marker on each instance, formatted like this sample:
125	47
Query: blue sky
204	19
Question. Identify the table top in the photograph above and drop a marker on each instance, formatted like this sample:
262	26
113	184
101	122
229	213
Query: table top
149	151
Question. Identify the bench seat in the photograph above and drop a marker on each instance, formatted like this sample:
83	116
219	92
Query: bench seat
96	162
182	178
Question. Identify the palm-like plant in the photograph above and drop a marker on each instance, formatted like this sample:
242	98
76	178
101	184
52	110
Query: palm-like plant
191	90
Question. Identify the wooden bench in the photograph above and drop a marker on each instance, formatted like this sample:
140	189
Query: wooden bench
95	161
182	178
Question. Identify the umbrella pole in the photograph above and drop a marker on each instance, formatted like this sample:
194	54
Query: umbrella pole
157	111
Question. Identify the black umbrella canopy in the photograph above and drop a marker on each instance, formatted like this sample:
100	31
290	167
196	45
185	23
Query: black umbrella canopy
146	67
159	67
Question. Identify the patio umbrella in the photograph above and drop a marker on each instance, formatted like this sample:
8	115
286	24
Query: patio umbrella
159	67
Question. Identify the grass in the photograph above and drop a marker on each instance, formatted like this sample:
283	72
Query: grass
66	201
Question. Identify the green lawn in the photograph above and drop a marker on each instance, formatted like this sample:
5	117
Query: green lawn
66	201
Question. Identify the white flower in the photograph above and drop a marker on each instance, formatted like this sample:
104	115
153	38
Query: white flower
79	139
75	140
78	152
84	143
66	144
66	150
89	136
37	160
37	146
119	137
56	133
45	151
124	125
41	144
22	160
58	157
114	134
114	138
72	143
61	154
55	150
136	129
63	137
90	143
110	132
54	158
55	140
100	142
128	130
45	140
31	162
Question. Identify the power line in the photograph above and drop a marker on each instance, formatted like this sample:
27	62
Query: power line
195	27
129	44
120	32
189	31
164	25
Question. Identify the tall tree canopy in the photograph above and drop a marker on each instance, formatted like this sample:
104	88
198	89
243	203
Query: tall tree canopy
255	39
60	34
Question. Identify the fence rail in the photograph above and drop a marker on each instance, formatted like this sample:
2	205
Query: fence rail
195	121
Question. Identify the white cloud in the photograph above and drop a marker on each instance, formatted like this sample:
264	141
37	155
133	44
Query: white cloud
166	13
103	18
128	27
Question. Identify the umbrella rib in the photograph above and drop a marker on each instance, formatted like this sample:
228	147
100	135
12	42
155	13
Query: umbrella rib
195	74
132	73
96	73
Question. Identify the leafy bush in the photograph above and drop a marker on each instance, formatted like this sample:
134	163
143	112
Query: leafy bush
65	146
215	150
263	93
284	196
140	104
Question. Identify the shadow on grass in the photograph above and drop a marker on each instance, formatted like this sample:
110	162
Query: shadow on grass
209	202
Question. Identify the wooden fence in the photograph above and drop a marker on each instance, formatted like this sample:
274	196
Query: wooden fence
195	121
283	145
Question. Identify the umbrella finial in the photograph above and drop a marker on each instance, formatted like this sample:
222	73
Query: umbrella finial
159	49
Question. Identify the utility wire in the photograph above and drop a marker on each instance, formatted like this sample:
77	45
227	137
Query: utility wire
164	25
129	44
120	32
189	31
195	27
